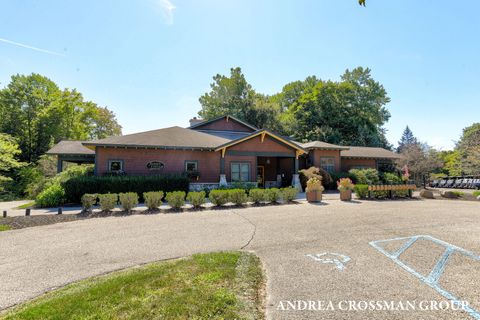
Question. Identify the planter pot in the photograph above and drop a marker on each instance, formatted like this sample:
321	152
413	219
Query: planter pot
314	196
345	195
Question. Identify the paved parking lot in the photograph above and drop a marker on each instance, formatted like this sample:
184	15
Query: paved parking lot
321	253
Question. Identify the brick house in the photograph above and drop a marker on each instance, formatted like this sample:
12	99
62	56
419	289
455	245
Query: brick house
218	151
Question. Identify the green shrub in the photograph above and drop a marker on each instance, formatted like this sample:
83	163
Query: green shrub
476	193
289	194
153	199
107	201
365	176
258	195
76	187
361	190
391	178
273	194
128	200
219	197
237	196
88	201
337	176
196	198
53	196
175	199
458	194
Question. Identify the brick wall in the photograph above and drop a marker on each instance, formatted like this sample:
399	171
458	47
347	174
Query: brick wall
335	154
136	160
348	164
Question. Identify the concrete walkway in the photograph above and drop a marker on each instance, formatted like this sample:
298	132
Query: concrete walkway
38	259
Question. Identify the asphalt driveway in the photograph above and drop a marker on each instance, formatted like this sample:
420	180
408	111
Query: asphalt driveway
295	243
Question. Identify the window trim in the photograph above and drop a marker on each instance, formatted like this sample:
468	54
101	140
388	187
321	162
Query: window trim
240	172
186	162
334	163
109	165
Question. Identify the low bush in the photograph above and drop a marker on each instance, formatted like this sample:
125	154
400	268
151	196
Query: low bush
78	186
53	196
237	196
128	200
196	198
258	195
289	194
337	176
153	199
273	195
219	197
88	201
365	176
361	190
476	193
391	178
107	201
175	199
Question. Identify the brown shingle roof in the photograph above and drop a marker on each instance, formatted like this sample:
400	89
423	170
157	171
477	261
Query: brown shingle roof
70	147
322	145
173	137
369	152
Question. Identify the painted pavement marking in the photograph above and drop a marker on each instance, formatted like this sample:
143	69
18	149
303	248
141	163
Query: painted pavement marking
331	257
433	278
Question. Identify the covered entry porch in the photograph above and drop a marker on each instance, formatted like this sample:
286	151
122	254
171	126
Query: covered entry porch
262	158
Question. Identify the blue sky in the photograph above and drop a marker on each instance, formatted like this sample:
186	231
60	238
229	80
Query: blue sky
150	60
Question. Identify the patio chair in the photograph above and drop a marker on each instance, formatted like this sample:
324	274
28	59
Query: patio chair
434	183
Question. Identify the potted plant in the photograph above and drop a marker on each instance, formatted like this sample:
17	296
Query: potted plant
314	189
345	186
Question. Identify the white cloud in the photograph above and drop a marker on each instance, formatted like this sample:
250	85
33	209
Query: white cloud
167	10
26	46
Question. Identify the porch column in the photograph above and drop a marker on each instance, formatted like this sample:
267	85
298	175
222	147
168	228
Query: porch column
295	177
59	164
223	177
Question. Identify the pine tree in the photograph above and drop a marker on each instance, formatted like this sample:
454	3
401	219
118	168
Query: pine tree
407	139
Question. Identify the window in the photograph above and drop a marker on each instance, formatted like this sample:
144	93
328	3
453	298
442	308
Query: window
240	172
115	165
191	166
327	164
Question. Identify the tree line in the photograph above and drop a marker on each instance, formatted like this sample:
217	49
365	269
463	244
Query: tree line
351	111
35	114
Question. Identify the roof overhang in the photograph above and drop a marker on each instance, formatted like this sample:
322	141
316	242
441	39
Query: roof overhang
138	146
262	133
200	124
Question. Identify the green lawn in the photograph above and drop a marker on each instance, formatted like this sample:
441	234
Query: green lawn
27	205
225	285
4	227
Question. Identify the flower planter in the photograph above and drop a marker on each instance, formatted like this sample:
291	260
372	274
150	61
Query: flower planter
314	196
345	195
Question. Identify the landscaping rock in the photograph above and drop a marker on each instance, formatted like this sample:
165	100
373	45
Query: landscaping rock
478	198
449	195
427	194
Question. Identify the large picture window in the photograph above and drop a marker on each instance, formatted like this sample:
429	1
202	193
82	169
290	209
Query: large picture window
115	165
327	164
240	172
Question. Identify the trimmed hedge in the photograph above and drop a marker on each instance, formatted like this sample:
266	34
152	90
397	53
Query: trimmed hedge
258	195
88	201
107	201
361	190
237	196
219	197
175	199
128	200
196	198
75	188
153	199
289	194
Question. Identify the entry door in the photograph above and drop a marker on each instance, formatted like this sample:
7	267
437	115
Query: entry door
261	176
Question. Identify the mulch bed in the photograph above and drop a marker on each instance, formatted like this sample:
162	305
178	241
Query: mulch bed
21	222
